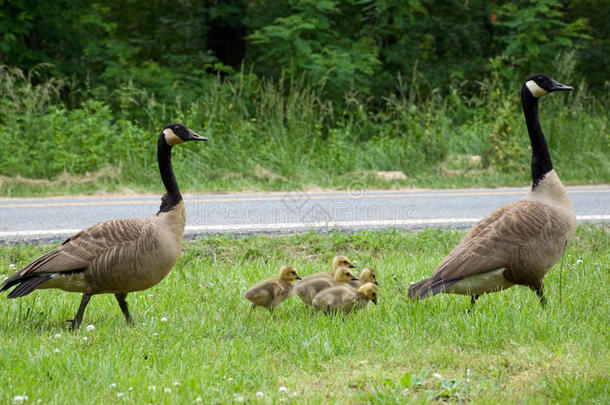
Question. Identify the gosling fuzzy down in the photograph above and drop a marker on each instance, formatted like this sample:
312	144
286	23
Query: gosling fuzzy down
345	298
367	275
272	292
307	289
338	262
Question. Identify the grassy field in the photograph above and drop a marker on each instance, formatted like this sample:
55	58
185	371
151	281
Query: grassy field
195	337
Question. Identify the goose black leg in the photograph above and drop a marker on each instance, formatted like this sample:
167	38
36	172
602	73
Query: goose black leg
473	300
75	323
539	290
124	307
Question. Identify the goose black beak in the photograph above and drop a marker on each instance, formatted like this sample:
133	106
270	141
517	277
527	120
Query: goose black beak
556	86
374	301
354	278
194	136
351	266
299	278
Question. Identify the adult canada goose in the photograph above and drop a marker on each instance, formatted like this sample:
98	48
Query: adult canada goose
366	276
520	242
118	256
272	292
338	262
307	289
346	299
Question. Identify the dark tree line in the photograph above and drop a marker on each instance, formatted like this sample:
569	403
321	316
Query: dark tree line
364	46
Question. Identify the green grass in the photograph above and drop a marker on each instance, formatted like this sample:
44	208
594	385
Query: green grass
508	350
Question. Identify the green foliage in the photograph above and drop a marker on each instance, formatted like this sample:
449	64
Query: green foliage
273	135
532	33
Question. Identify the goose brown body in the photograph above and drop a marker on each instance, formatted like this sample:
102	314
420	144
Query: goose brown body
308	289
272	292
520	242
117	256
346	299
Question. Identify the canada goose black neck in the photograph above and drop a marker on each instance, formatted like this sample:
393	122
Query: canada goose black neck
164	157
541	158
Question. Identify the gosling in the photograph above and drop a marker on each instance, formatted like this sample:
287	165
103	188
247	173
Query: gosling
366	276
272	292
346	299
307	289
338	262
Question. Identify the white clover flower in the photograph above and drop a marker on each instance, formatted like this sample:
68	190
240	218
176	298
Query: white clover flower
152	388
155	334
119	394
85	338
56	351
176	383
90	327
112	386
230	379
283	389
164	319
20	398
199	400
167	390
57	335
239	399
259	394
130	389
579	261
12	266
437	375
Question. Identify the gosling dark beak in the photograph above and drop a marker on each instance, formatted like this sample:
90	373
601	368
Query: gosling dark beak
374	301
299	278
351	266
376	283
354	278
556	86
194	136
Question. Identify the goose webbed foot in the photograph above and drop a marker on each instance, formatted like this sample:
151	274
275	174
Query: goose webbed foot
78	318
124	307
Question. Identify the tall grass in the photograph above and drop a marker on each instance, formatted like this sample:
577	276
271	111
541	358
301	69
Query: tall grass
282	135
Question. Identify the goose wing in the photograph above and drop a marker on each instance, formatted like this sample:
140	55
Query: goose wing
494	243
77	252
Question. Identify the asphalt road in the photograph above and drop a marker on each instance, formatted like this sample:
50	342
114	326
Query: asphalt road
50	219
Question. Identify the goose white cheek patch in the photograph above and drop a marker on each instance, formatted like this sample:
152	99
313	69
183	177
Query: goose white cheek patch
536	90
171	138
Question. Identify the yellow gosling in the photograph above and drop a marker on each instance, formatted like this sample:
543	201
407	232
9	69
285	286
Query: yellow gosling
345	298
306	290
272	292
338	262
366	276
